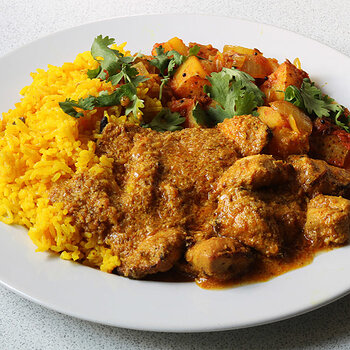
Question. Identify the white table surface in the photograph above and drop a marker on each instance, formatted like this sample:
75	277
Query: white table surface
25	325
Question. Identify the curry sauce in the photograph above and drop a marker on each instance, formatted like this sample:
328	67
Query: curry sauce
188	201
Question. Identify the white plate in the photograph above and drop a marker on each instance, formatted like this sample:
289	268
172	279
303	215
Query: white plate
176	307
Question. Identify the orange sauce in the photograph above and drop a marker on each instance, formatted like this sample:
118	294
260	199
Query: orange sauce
263	270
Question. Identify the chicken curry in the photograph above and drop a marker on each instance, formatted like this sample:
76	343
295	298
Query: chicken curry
227	192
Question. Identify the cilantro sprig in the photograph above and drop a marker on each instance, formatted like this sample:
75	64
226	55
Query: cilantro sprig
113	67
311	99
167	62
233	92
104	100
166	120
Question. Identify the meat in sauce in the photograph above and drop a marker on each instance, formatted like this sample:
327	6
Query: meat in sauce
235	200
201	201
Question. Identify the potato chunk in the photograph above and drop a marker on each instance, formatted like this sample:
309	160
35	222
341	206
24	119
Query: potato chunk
327	220
330	144
290	127
250	61
286	74
189	79
172	44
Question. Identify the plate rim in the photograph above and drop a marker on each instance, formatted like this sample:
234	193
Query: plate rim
201	329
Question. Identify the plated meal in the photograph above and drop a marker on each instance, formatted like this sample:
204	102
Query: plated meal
188	163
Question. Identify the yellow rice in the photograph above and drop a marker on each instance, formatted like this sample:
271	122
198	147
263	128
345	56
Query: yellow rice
40	144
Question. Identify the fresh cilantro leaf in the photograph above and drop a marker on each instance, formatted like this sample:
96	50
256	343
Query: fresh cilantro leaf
69	105
311	99
176	59
109	63
135	106
114	67
235	93
293	95
127	73
164	81
168	62
161	60
93	73
193	51
138	79
166	120
220	87
113	99
201	116
104	100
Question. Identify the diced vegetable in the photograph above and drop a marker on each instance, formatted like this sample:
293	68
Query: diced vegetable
172	44
257	66
331	149
272	118
141	68
250	61
286	74
241	50
290	127
178	45
298	120
189	78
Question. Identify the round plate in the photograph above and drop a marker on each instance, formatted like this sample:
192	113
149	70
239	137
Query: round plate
92	295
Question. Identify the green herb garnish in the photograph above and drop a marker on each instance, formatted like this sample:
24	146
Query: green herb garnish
234	92
167	62
166	120
201	117
312	101
113	67
104	100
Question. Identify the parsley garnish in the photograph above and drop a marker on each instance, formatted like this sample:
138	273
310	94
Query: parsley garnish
234	92
167	62
113	67
310	99
166	120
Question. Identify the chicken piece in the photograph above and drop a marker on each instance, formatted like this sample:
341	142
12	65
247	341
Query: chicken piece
222	258
327	221
116	142
243	216
289	212
249	133
142	171
156	253
256	171
316	176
